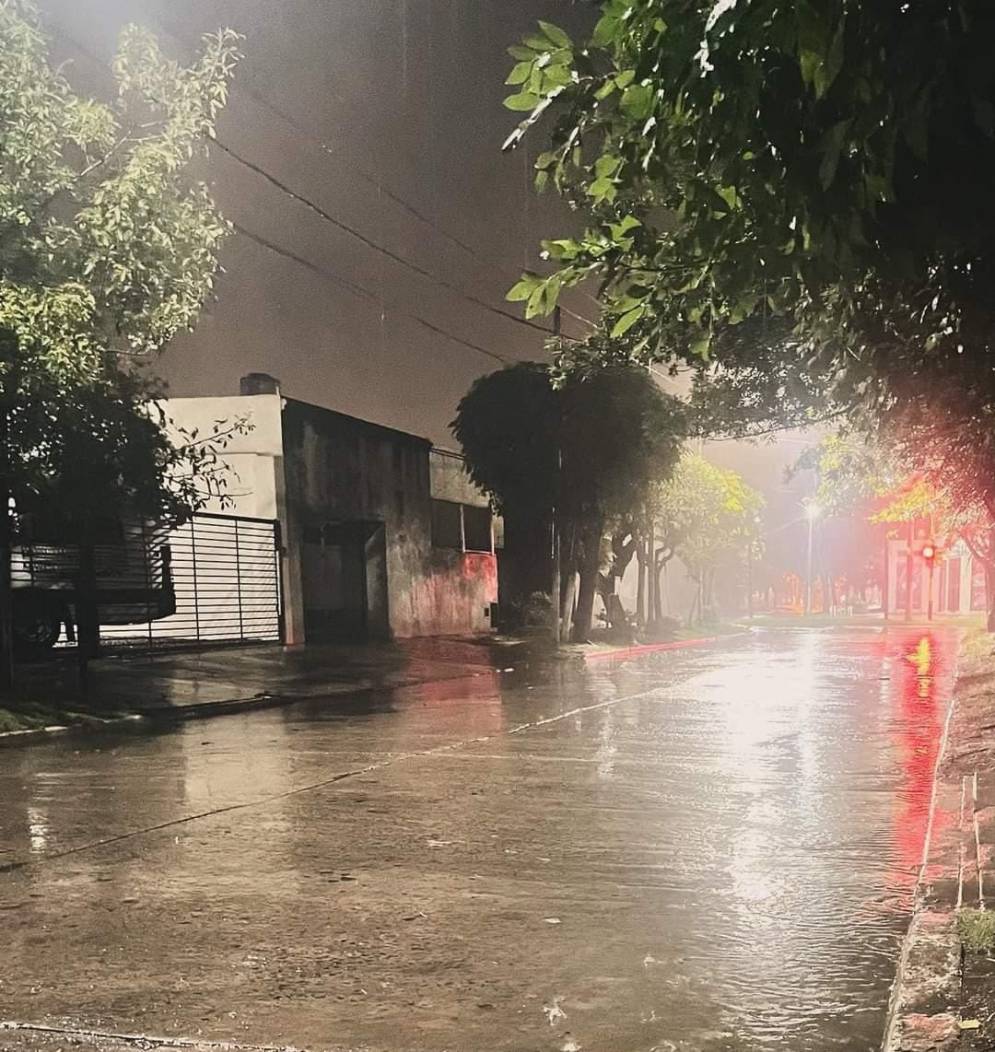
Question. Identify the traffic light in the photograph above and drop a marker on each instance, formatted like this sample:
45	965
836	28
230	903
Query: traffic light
929	551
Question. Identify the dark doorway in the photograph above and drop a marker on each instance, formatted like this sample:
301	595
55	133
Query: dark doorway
345	582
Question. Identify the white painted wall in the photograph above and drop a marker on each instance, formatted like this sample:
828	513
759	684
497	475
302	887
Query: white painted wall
254	473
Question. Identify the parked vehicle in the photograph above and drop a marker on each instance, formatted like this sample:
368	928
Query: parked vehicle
132	583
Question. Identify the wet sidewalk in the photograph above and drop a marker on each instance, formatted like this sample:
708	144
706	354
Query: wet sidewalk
946	997
205	682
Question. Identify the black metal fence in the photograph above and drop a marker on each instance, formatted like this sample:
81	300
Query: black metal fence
214	580
224	572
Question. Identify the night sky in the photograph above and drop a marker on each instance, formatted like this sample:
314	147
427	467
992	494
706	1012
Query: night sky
386	115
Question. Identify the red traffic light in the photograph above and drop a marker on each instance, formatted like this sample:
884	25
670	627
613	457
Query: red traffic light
928	552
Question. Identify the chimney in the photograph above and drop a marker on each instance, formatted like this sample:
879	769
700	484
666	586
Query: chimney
258	383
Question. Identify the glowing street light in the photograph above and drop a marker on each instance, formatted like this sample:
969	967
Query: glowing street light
812	512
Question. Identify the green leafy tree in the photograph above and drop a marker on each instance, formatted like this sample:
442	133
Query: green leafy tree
708	517
108	247
585	450
507	425
908	474
803	183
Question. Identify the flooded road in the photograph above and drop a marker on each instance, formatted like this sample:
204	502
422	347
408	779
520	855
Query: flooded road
711	849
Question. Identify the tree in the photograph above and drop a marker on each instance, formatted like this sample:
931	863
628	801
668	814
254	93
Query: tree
620	434
707	516
802	185
586	449
108	247
507	425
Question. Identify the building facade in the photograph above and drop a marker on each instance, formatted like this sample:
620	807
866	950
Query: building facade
957	581
382	536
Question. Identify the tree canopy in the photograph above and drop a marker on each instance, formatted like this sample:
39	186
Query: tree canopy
108	247
585	451
819	169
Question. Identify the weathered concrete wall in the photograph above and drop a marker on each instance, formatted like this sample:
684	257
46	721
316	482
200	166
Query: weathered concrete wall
344	470
450	481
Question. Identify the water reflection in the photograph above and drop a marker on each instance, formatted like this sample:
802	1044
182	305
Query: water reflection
713	850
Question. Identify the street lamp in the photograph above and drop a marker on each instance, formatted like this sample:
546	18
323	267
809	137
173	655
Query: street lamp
812	512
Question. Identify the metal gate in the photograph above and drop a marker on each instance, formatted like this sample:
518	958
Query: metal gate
223	572
213	581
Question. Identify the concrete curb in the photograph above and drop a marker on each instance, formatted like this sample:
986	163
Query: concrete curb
922	1011
651	648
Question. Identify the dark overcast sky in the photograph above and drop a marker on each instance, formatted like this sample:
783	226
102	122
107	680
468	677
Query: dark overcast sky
355	104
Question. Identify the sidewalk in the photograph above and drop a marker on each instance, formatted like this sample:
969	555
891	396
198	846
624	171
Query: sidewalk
184	685
189	685
945	993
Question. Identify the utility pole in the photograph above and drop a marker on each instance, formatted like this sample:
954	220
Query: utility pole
554	591
812	512
749	580
910	541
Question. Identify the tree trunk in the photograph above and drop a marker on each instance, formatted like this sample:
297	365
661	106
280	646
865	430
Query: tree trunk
641	584
6	545
658	567
569	594
526	562
990	593
589	566
87	614
6	595
694	602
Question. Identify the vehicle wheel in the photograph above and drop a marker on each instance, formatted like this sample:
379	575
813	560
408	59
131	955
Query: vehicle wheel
36	630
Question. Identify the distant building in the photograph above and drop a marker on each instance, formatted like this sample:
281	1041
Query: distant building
958	579
382	536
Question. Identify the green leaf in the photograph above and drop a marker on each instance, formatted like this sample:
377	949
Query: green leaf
620	229
521	102
607	165
625	323
523	54
602	190
556	77
637	101
606	31
537	43
832	148
834	60
520	73
521	291
701	347
555	34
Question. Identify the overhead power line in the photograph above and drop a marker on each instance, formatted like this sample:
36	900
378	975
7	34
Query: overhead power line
352	231
395	197
378	183
359	290
360	236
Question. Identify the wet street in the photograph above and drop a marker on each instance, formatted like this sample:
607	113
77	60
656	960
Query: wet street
707	849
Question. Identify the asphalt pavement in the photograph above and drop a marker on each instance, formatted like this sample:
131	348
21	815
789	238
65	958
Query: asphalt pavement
711	849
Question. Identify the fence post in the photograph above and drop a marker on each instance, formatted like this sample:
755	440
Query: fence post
238	586
278	579
196	591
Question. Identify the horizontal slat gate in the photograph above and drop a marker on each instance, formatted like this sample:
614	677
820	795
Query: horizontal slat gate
225	573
